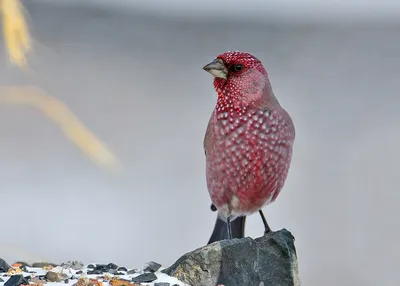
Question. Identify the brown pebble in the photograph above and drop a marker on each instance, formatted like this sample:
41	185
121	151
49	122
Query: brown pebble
52	277
43	264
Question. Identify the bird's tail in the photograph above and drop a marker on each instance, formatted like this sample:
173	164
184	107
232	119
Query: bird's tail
220	231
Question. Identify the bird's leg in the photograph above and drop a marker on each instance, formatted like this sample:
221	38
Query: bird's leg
228	221
267	228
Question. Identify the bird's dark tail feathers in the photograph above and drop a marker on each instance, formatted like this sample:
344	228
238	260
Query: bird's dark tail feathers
220	231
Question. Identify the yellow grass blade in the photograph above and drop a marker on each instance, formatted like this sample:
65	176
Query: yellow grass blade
15	31
74	130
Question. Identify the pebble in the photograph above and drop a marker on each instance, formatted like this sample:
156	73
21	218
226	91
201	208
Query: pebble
16	280
112	266
53	273
95	272
52	276
75	265
152	266
3	265
146	277
43	264
24	263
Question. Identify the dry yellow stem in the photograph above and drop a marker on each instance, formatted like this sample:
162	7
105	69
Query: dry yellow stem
68	122
15	31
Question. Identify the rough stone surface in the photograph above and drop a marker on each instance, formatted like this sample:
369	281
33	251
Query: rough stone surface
268	260
43	264
146	277
3	265
52	276
151	266
75	265
16	280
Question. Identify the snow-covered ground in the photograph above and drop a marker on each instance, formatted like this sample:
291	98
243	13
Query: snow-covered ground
75	273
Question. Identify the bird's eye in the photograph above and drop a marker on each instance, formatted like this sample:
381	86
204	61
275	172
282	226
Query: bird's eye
237	67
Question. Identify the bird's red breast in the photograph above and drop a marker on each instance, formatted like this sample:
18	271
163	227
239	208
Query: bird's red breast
249	139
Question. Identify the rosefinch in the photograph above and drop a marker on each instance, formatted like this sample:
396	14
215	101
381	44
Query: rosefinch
248	143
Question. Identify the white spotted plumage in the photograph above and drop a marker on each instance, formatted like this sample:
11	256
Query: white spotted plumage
248	141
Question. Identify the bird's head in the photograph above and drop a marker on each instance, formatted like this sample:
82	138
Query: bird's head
240	80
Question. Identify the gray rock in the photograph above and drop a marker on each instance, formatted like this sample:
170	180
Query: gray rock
132	271
144	278
43	264
268	260
75	265
52	276
151	266
4	265
16	280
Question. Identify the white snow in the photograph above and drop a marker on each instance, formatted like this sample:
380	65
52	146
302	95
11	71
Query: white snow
34	272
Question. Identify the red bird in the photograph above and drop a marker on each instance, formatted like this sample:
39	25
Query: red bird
248	143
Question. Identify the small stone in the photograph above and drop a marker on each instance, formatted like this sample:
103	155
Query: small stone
132	271
79	272
161	284
52	277
120	282
146	277
75	265
16	280
23	263
90	266
66	281
12	271
43	264
81	282
3	265
119	273
122	269
152	266
23	268
112	271
112	266
95	272
101	267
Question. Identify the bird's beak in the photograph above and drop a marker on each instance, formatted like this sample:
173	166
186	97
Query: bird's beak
217	69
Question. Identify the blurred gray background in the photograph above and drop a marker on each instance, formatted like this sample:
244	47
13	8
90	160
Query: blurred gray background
132	72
